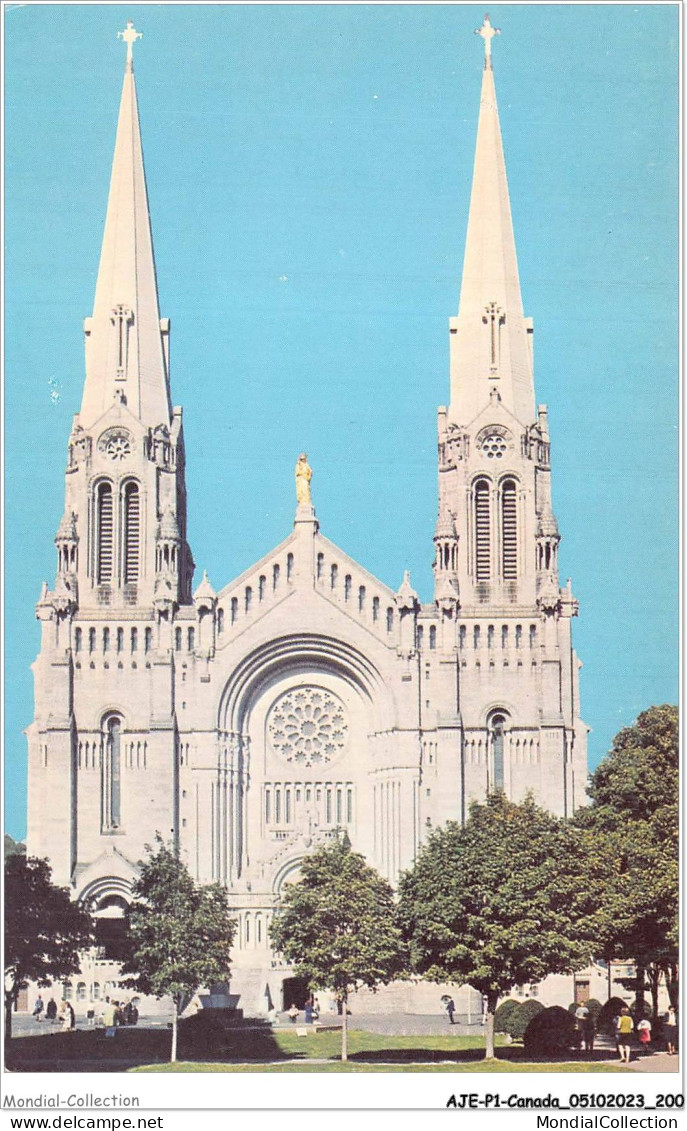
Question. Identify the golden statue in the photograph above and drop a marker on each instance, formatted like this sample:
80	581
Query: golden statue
303	477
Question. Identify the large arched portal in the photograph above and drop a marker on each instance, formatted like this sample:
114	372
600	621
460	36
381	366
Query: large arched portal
298	720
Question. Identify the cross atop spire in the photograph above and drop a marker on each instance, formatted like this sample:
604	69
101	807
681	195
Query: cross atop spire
487	32
129	36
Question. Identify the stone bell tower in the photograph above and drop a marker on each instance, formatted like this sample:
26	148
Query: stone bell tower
496	567
104	675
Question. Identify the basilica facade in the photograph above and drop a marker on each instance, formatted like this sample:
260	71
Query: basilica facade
250	723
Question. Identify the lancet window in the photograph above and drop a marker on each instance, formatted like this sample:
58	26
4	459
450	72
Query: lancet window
509	530
104	533
111	773
482	530
131	502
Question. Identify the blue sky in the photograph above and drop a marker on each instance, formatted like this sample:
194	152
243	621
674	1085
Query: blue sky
309	171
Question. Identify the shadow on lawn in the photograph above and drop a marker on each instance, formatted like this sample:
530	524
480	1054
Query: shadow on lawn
221	1039
201	1038
470	1056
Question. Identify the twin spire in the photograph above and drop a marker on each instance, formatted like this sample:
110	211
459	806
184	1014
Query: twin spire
491	357
126	342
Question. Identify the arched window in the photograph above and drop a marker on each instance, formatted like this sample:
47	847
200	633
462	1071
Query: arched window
177	639
104	533
132	532
247	598
275	576
111	772
78	637
432	637
220	621
333	574
95	991
509	530
497	726
375	608
148	639
81	991
482	531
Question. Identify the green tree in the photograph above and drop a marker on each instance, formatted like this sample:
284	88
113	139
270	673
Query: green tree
44	929
633	825
336	925
180	934
14	847
497	902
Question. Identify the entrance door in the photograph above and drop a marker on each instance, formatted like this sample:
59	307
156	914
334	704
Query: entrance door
295	991
581	992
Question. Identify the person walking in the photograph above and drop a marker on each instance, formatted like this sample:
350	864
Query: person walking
585	1026
644	1034
108	1014
450	1010
38	1008
624	1026
670	1032
51	1011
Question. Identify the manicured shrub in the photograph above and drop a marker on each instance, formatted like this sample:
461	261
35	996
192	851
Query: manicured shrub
504	1011
609	1011
521	1017
551	1031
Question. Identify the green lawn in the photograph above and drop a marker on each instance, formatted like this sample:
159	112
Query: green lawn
305	1066
208	1045
372	1052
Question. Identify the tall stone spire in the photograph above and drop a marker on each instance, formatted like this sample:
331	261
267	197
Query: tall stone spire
491	352
126	341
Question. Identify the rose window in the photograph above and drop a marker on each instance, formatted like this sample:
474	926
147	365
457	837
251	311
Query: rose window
307	726
493	445
116	444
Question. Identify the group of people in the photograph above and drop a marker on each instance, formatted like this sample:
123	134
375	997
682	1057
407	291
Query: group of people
312	1011
113	1014
625	1027
66	1016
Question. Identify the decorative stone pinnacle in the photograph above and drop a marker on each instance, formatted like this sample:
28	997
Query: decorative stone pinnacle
487	32
129	36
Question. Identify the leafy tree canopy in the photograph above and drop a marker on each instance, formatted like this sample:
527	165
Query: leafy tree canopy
44	929
337	925
632	828
639	777
14	847
180	934
497	902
